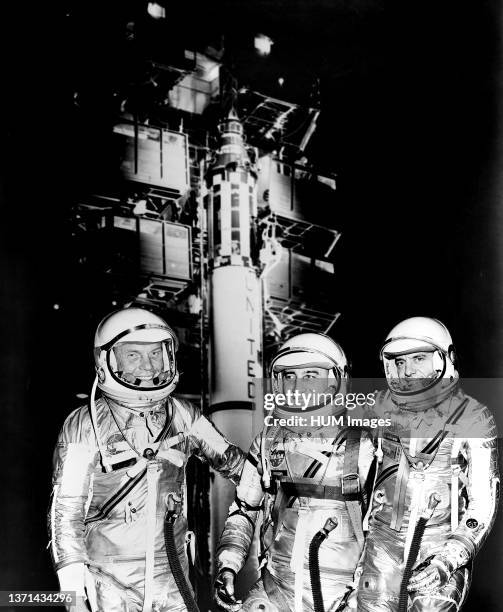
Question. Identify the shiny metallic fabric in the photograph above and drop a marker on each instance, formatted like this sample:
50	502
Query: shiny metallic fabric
113	544
291	525
467	459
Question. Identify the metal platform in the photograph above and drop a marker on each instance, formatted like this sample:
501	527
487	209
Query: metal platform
269	121
289	317
297	235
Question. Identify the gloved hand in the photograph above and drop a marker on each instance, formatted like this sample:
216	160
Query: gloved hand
431	575
224	590
71	578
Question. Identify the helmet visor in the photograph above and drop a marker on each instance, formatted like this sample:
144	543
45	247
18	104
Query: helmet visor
142	365
413	370
319	373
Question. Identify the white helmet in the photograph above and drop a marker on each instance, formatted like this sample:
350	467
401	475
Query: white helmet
309	350
415	335
139	326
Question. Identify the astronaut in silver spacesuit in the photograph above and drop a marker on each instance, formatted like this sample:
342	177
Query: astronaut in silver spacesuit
436	490
305	479
119	474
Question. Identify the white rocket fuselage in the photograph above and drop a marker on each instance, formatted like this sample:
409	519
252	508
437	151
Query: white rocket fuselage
236	305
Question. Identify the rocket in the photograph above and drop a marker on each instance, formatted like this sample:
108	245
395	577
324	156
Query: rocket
235	303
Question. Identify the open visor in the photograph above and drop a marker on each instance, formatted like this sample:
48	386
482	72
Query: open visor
412	385
293	359
142	358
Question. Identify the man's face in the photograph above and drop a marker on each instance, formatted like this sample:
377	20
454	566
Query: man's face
307	380
414	369
142	360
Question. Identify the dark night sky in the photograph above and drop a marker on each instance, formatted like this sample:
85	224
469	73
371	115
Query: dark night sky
410	101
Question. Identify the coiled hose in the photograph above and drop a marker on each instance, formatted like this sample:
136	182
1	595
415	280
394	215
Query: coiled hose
414	551
314	564
174	561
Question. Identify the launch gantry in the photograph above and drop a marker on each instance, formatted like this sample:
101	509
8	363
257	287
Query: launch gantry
228	236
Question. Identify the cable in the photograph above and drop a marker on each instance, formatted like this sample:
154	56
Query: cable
314	564
174	561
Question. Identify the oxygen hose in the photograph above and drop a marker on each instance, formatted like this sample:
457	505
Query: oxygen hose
414	551
314	565
174	561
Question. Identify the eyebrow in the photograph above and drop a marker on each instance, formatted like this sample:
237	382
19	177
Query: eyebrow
310	371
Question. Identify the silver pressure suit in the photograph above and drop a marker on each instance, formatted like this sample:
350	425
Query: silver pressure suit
313	476
455	456
113	521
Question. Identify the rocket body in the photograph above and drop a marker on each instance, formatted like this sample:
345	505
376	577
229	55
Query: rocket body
236	305
236	351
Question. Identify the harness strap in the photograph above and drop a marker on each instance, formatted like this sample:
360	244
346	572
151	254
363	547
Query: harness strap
153	474
305	487
426	456
350	480
378	457
415	507
402	480
351	484
354	511
298	554
281	500
279	504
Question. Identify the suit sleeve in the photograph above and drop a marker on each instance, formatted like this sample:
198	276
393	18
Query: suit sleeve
482	481
239	528
209	444
73	462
